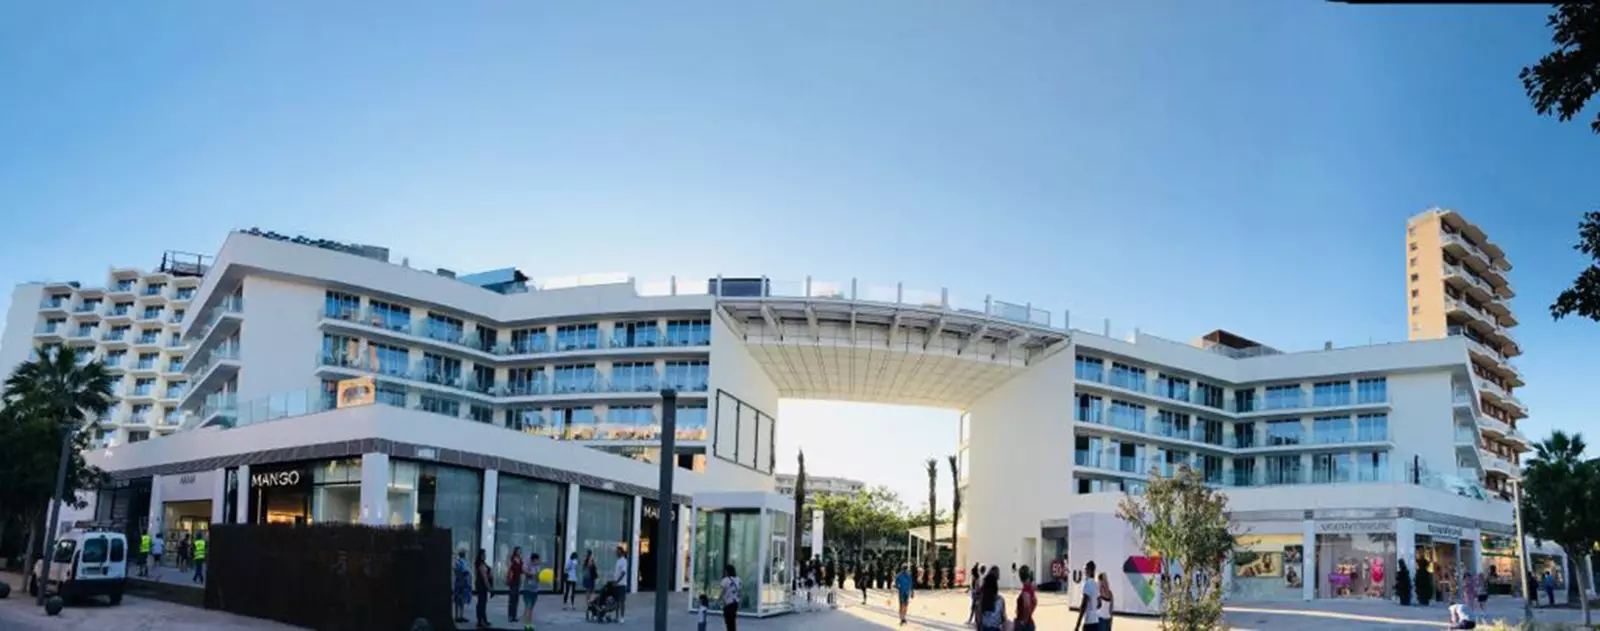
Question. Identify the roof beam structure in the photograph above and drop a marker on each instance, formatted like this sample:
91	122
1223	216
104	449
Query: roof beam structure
977	334
933	333
811	321
772	320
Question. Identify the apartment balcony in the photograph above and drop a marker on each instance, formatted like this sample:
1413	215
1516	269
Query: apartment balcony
1494	427
87	311
220	321
423	332
216	367
147	342
54	306
115	338
1480	261
183	294
82	334
1488	357
145	394
1468	283
50	331
1496	464
1486	325
1153	391
138	419
119	314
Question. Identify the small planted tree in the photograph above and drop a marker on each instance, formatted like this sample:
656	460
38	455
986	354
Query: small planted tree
1184	524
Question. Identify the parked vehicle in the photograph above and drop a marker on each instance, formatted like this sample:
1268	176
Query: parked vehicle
85	563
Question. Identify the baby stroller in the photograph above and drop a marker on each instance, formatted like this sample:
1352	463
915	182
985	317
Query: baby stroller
604	608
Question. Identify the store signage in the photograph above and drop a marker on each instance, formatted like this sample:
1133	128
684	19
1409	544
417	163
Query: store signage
275	479
187	478
357	391
1442	531
187	487
1359	526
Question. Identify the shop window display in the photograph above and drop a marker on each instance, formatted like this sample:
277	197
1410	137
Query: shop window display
1357	565
1442	557
1268	568
438	496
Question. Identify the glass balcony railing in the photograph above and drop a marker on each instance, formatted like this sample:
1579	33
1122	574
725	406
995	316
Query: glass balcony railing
53	303
118	312
114	336
87	307
49	328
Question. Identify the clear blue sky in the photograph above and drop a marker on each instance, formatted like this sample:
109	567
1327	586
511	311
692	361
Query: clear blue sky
1177	166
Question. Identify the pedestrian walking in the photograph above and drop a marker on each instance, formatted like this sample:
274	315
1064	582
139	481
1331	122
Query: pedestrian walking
569	589
484	579
158	547
199	557
462	592
1108	603
144	554
183	553
1088	606
1027	601
513	582
992	605
1548	583
731	589
905	588
1483	591
530	589
863	579
974	586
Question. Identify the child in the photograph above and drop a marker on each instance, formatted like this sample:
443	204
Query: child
530	590
705	610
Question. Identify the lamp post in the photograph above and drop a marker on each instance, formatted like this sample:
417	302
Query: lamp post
67	433
665	533
1522	551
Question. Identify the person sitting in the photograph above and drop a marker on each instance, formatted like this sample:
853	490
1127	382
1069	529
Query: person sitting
1460	618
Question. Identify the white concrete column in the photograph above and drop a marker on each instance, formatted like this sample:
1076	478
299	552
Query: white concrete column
573	491
1405	542
1308	561
375	489
152	523
219	490
1475	536
633	546
241	504
491	497
684	539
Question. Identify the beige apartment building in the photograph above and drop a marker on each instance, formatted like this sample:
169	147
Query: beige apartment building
1458	285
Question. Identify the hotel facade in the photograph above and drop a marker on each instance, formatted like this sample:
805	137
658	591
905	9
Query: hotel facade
521	413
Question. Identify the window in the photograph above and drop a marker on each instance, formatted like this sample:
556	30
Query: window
1172	387
488	337
1091	369
138	436
482	413
441	370
1173	424
149	336
576	378
1283	470
1413	293
1413	246
340	350
119	548
1089	409
1413	261
143	387
1244	472
390	360
576	337
443	328
117	333
1330	468
1126	415
185	293
636	335
436	404
114	358
94	551
1284	397
1330	429
151	312
1211	431
691	423
1211	468
482	379
533	421
524	381
1372	428
390	316
1415	310
154	289
528	341
631	422
1375	390
1372	466
1128	377
1244	434
633	376
580	422
147	361
116	385
141	412
688	332
175	340
1413	278
688	376
1244	400
177	316
1330	393
174	390
1209	395
342	306
389	394
85	329
1284	432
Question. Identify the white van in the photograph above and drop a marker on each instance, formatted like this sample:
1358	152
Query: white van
85	563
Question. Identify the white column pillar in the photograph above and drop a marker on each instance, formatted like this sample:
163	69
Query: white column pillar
375	489
684	539
1475	536
1405	543
219	490
152	523
491	497
1308	562
573	491
633	546
241	504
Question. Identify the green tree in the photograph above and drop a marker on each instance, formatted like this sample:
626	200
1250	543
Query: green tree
861	521
1561	83
44	400
1561	500
799	510
955	510
1185	524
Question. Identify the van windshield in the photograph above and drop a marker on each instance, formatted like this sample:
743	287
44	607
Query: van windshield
64	550
94	550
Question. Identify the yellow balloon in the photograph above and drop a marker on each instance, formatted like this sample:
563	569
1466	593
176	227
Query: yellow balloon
547	575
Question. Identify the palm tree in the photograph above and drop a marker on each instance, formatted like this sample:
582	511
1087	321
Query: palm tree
1560	499
799	514
933	507
955	512
56	388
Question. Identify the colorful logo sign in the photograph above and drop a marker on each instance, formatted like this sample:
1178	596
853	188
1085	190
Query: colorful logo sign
1142	573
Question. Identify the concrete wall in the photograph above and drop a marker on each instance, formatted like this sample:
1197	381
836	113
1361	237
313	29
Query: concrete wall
1421	422
734	371
278	340
1303	366
1020	455
21	319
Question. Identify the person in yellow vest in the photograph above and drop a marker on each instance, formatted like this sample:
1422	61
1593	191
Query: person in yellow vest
199	557
144	554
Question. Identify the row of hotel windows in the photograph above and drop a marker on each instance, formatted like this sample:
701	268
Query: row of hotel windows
88	305
621	422
1331	429
1323	393
395	361
116	359
1328	468
147	335
526	340
145	387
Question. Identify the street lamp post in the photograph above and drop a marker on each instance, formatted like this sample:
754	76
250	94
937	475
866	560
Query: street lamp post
665	532
55	502
1522	551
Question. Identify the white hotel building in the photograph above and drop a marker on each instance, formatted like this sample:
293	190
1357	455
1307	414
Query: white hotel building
526	414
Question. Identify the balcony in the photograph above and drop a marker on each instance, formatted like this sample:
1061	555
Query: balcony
139	419
55	304
82	334
87	310
1493	426
449	338
50	331
152	341
119	313
184	294
219	364
1496	464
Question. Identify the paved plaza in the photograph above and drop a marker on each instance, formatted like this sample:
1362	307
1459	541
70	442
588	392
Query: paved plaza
938	611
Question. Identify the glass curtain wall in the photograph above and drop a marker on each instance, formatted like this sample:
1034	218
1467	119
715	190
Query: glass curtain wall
336	492
437	496
530	514
605	522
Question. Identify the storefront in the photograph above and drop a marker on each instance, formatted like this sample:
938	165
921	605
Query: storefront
1441	549
280	493
434	495
185	504
1501	565
530	514
1355	559
605	524
1267	568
